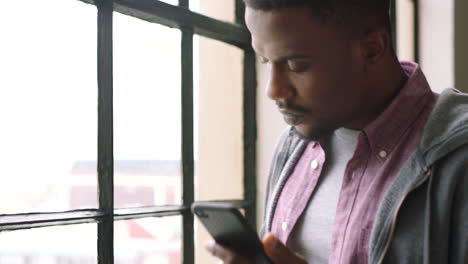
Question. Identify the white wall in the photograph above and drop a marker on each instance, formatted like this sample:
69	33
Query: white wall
437	42
444	42
270	125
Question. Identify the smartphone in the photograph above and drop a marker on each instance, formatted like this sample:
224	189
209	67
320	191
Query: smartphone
229	228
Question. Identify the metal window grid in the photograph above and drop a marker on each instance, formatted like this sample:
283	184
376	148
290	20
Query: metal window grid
189	23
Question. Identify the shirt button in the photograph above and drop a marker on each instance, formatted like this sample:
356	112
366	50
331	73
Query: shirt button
314	165
383	154
284	225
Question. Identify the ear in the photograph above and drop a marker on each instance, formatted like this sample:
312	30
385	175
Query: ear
374	45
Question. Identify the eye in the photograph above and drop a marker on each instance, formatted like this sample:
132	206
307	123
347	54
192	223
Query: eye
298	65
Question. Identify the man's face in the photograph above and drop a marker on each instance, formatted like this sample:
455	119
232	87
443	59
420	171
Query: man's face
316	73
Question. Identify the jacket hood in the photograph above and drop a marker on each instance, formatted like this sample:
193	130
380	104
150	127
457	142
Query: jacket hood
447	127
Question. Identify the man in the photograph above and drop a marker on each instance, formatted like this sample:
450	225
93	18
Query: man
374	168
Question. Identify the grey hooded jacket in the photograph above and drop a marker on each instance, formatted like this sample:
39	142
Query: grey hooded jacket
423	217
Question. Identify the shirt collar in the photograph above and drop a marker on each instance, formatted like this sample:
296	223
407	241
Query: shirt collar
387	129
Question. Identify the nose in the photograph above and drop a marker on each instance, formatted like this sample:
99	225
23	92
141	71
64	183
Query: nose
279	85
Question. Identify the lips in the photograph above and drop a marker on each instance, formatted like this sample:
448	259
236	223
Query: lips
292	117
288	111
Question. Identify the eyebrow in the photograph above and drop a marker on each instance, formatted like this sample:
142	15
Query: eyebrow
290	57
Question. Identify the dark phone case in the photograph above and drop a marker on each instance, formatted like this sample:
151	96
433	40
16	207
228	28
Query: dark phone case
229	228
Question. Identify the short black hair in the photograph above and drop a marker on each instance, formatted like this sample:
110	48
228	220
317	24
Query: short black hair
347	12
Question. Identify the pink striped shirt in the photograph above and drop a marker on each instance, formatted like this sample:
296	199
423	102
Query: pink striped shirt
383	147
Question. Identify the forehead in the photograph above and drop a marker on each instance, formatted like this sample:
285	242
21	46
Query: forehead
288	30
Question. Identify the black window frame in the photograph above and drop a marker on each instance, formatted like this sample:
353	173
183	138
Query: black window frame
189	23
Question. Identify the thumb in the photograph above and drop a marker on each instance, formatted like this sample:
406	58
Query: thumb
279	253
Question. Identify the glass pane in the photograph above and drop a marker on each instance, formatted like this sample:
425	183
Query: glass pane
148	241
147	115
219	116
219	147
71	244
221	10
48	102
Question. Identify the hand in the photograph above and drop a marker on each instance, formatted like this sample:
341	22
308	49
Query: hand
279	253
274	249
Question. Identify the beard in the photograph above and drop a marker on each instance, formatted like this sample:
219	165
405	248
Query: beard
313	134
304	125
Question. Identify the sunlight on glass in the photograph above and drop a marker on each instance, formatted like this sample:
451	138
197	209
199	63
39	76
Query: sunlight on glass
222	10
147	113
50	245
148	241
219	170
48	105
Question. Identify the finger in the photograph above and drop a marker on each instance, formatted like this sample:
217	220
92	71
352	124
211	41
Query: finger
217	250
227	255
279	253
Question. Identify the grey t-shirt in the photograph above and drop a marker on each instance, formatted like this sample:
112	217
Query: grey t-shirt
312	234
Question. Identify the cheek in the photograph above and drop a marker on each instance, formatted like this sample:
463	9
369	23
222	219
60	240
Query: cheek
319	93
323	85
310	89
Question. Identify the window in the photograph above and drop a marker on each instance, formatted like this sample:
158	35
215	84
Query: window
120	168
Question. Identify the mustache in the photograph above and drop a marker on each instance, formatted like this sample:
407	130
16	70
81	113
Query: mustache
287	105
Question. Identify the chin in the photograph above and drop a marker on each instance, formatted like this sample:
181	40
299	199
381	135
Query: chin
313	133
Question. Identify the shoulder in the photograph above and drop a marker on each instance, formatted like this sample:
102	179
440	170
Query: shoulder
450	196
453	168
446	131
